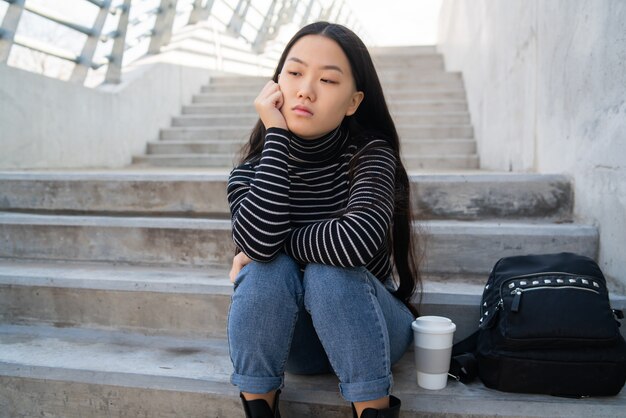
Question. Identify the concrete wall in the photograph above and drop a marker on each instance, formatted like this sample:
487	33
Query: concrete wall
546	83
48	123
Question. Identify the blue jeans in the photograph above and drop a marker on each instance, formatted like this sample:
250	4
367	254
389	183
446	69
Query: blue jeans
323	320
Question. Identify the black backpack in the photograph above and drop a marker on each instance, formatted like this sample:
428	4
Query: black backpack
546	326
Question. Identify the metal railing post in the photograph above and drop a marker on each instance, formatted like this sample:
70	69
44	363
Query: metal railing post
114	70
338	15
9	27
162	26
262	35
239	16
307	13
329	11
84	61
290	12
200	12
169	24
283	13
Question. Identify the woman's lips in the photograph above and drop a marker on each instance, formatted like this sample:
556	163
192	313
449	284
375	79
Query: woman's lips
303	111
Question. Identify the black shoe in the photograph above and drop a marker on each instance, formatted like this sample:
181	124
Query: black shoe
259	408
392	412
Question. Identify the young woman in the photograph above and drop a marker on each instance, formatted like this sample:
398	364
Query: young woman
320	213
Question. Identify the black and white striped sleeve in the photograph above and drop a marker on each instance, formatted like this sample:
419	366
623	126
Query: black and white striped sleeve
259	200
355	237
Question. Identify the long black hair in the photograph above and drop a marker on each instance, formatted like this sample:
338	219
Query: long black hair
372	119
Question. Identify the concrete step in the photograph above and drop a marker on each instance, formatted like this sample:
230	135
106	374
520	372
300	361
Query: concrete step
190	133
414	61
149	300
103	374
177	301
408	75
409	116
419	147
196	160
442	161
181	301
139	240
222	146
450	246
203	133
410	105
249	119
434	94
436	83
396	106
210	119
424	77
383	51
471	195
438	146
244	85
216	109
391	95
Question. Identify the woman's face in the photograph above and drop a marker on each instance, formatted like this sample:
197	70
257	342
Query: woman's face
317	86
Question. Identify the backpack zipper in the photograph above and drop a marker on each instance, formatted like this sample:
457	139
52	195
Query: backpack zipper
551	273
595	280
518	293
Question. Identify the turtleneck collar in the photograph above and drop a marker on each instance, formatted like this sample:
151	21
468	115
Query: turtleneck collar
318	150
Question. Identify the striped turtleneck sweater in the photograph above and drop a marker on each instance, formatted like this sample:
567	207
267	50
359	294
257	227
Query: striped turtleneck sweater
298	198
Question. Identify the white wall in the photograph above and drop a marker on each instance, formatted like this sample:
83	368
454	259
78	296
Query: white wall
546	84
48	123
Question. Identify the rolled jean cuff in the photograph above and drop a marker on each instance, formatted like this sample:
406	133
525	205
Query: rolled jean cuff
254	384
366	391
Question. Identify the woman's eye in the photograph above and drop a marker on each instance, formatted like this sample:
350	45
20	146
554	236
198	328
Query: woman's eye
325	80
293	73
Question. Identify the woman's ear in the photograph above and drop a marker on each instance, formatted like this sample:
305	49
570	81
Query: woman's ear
355	101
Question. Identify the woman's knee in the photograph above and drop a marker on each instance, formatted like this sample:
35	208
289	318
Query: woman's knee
333	283
280	273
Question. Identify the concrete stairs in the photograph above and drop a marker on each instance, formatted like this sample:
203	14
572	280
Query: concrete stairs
114	292
430	113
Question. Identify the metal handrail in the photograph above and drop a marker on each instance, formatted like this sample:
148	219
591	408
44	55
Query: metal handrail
244	14
40	11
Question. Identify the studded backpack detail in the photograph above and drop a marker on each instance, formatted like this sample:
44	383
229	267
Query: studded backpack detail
546	326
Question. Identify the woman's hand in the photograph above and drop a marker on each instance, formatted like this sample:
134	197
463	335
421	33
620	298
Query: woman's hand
268	104
239	261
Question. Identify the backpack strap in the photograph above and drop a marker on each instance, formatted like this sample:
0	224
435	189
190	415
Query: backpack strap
463	365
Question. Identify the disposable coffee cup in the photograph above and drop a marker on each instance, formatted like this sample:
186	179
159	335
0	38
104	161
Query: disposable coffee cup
433	347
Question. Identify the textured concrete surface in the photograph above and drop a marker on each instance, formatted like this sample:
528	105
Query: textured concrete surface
101	374
496	196
192	193
169	301
452	118
471	195
230	133
201	160
547	92
450	246
179	301
94	127
159	241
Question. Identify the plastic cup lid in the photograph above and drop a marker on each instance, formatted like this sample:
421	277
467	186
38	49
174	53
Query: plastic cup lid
433	325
